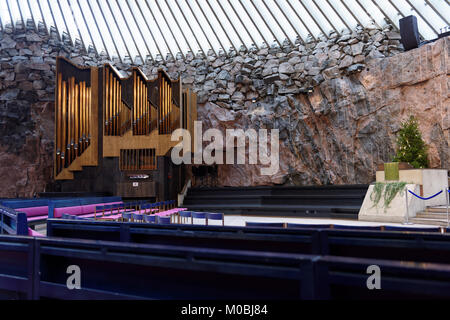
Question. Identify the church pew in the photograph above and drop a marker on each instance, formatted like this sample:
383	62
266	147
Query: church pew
347	278
389	245
16	267
297	241
112	270
54	204
34	268
38	210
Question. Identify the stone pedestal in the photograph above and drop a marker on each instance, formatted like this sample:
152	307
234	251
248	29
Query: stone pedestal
397	208
423	182
430	181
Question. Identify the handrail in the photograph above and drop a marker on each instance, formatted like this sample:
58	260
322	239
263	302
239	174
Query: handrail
422	198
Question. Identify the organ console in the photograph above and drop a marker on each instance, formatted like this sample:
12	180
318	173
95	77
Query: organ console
102	117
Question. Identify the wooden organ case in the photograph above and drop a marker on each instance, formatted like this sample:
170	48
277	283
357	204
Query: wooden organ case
113	133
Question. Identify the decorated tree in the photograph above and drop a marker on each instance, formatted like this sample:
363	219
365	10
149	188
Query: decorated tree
410	146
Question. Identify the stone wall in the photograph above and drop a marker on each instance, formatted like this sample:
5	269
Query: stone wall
335	134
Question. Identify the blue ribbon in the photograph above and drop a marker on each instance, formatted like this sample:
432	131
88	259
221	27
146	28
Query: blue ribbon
425	198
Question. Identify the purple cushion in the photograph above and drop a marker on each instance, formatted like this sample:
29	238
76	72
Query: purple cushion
34	211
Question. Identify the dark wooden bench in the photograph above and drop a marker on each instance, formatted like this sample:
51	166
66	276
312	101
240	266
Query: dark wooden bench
277	240
388	245
36	268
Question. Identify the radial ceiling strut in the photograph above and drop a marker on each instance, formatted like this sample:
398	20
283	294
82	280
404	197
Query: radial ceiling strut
149	28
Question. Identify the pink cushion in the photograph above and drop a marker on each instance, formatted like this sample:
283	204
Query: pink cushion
169	212
117	216
33	233
34	211
99	214
143	211
79	210
75	211
37	218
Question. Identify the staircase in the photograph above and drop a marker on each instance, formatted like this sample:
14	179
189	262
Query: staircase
433	216
334	201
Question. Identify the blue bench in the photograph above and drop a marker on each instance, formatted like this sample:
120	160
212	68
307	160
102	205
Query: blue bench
298	241
34	268
265	224
157	272
17	268
411	246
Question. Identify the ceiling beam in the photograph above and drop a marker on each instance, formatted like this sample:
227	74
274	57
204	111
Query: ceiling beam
437	12
199	24
76	25
276	21
88	29
170	29
140	31
43	18
215	33
326	18
54	21
301	20
253	22
423	17
190	28
325	33
266	24
72	40
241	22
109	30
129	31
13	24
159	28
150	30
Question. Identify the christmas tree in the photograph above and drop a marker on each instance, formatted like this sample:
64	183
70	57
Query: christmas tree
410	146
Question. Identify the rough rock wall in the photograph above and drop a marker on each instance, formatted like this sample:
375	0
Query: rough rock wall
335	134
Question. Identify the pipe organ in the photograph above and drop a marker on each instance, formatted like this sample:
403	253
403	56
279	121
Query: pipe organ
141	105
137	159
104	118
72	114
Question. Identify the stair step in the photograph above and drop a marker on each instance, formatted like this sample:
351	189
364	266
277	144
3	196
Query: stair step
433	221
427	215
439	209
